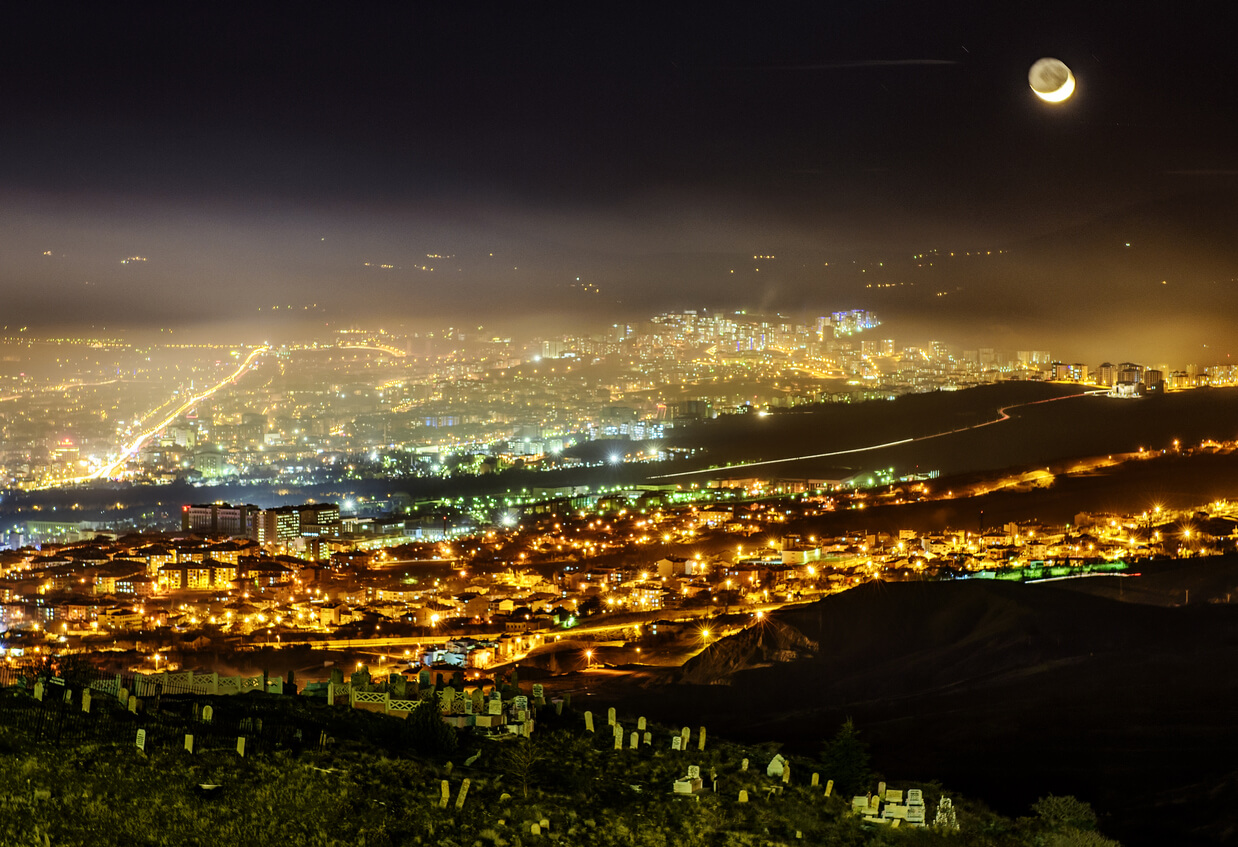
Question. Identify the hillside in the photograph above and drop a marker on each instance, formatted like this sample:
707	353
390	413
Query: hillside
1003	688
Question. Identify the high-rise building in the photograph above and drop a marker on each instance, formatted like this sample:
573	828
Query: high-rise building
217	519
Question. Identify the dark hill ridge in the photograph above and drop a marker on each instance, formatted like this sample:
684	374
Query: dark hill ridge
1004	690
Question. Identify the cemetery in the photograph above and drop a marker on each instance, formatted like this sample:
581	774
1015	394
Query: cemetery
85	766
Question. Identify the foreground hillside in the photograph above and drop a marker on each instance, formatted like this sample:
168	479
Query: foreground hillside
1004	689
377	781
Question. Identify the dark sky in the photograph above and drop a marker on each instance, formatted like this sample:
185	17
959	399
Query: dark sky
258	158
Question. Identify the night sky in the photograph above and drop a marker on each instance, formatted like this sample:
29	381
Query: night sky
261	158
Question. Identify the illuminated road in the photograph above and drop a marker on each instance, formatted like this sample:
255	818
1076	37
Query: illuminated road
1002	416
135	445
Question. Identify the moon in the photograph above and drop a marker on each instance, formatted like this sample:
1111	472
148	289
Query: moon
1051	80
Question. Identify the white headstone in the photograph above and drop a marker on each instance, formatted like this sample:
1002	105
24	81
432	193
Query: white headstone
915	797
648	738
641	725
494	707
444	794
676	742
141	740
816	780
610	716
701	742
743	766
464	792
133	703
86	701
38	690
634	741
694	771
588	721
535	829
188	743
240	745
687	736
829	788
743	796
208	713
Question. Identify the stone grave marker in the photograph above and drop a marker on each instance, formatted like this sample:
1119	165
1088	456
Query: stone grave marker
495	707
544	823
648	738
588	721
894	795
676	742
522	703
539	694
188	743
776	766
123	695
240	745
444	794
558	701
859	804
141	740
786	773
610	716
38	691
829	788
68	695
816	780
133	703
743	796
618	740
634	741
881	790
86	700
641	725
535	829
743	766
468	705
479	702
915	797
208	713
915	814
687	736
464	792
701	742
694	771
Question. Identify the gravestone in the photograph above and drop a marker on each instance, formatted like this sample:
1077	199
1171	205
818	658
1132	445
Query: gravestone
398	686
776	766
208	713
618	740
743	766
494	707
240	745
648	738
829	788
68	695
946	818
687	736
446	700
337	676
743	796
539	694
468	705
133	703
634	741
86	701
535	829
188	743
676	742
641	725
881	790
588	721
444	794
141	740
915	814
38	691
123	695
786	773
694	771
464	792
610	716
701	742
360	679
558	706
545	824
479	703
816	780
915	797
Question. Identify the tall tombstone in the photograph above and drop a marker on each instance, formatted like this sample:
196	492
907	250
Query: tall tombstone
140	742
240	746
337	676
188	743
397	685
743	766
86	700
786	773
634	742
610	716
123	695
444	794
208	713
464	792
38	690
881	790
701	743
641	725
133	703
618	740
539	694
829	788
686	733
68	695
588	721
816	780
479	702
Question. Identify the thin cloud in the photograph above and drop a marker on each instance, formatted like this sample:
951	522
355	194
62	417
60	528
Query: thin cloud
861	63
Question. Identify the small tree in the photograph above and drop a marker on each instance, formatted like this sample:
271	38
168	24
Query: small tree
845	760
520	761
428	732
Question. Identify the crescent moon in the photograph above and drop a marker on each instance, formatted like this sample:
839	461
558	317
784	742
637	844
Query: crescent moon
1067	89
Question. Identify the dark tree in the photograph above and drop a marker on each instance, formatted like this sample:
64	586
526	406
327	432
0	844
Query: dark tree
845	760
